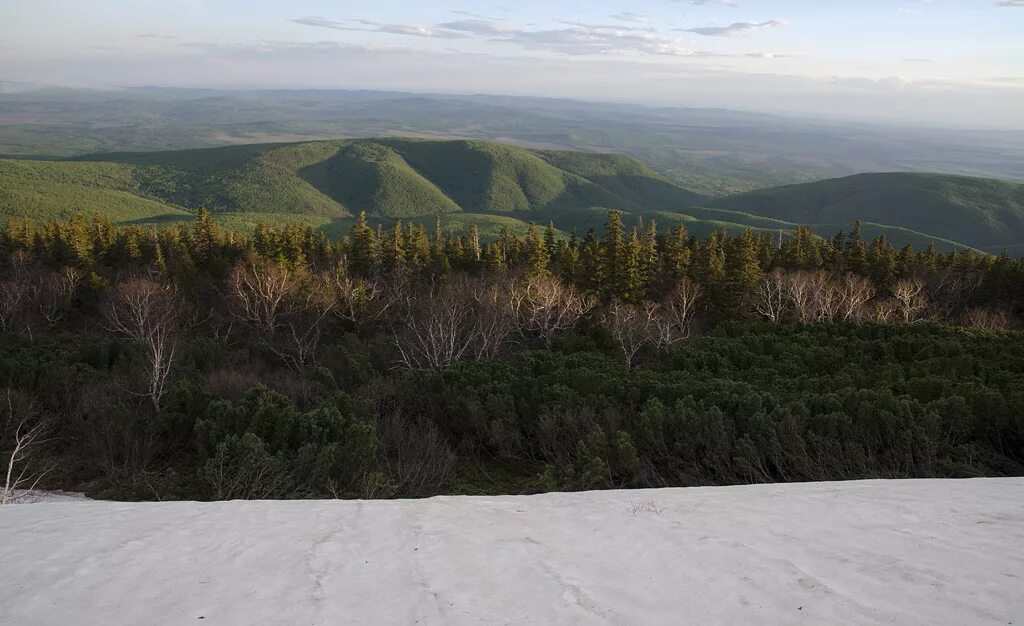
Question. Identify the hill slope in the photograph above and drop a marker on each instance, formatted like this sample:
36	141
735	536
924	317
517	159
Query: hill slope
324	180
326	183
977	212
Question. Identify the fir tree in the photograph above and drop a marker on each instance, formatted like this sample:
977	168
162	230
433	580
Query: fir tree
855	254
742	271
591	263
537	258
550	239
614	250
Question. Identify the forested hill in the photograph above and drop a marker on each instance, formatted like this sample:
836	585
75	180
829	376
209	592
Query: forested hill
398	178
492	186
982	213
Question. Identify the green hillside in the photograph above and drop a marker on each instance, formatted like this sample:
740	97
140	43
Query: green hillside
44	190
981	213
398	178
326	183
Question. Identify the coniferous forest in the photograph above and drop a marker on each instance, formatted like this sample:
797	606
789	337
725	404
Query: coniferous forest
191	362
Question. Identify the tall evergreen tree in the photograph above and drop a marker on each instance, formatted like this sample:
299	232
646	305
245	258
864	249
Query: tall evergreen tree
855	253
591	263
537	258
742	271
363	247
614	252
550	239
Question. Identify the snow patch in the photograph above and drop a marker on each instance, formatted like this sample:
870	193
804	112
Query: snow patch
866	552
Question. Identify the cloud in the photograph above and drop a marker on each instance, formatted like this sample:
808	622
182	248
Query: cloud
478	27
630	17
319	22
377	27
726	3
736	29
420	31
472	14
156	36
1011	3
615	27
578	39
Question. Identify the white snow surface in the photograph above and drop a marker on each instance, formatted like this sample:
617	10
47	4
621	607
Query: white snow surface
864	552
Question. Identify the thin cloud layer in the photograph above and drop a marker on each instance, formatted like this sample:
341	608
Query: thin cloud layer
736	29
576	39
371	27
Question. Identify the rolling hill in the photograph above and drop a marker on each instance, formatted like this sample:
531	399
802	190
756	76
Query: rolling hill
326	183
982	213
334	179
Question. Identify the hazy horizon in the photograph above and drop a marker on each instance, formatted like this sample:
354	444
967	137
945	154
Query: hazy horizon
919	61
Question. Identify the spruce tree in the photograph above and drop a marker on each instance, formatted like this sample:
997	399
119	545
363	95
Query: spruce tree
881	262
648	263
855	254
614	250
550	239
537	258
492	259
675	258
206	236
710	267
591	263
742	271
363	247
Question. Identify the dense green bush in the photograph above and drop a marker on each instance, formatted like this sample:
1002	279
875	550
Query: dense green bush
746	404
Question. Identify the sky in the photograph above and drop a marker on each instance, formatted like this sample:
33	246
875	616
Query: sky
956	62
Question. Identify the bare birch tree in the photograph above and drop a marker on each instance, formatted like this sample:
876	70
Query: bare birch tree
550	307
46	297
910	298
13	292
800	293
633	327
258	292
882	310
148	312
772	296
855	292
302	316
949	290
826	295
435	328
496	316
985	319
357	300
27	434
676	312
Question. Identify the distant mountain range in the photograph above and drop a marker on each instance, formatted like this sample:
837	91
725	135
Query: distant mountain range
326	183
